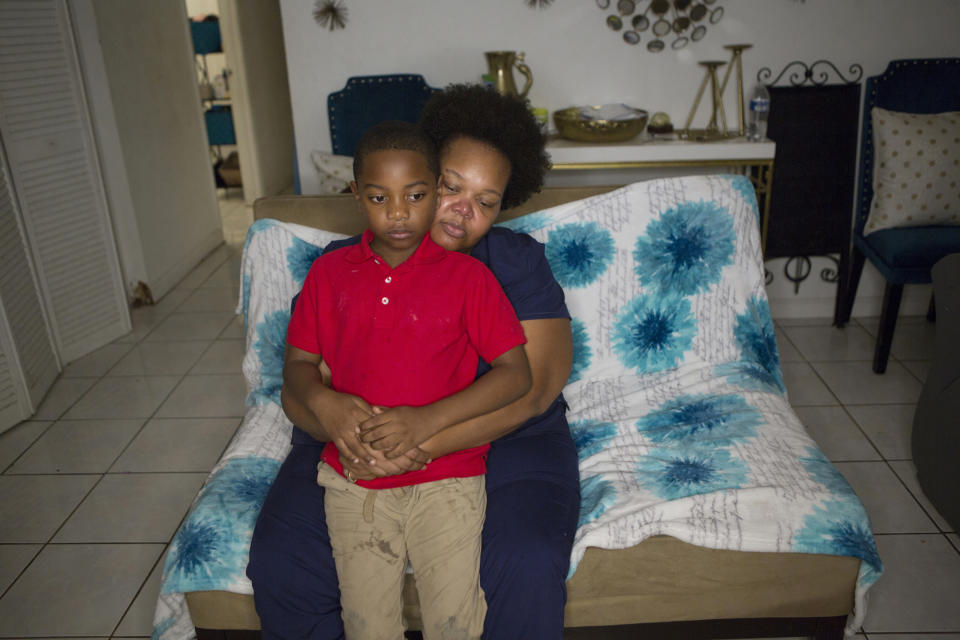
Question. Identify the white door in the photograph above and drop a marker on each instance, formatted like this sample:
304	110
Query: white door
28	363
55	179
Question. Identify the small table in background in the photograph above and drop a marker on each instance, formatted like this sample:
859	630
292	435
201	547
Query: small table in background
619	163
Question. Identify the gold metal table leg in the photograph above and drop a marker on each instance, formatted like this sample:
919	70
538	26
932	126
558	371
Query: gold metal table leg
761	176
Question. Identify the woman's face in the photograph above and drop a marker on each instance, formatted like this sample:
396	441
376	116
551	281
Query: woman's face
473	176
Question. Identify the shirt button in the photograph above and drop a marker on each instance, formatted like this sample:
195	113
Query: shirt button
384	300
388	279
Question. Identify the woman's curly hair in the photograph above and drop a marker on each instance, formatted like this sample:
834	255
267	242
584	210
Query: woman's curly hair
503	122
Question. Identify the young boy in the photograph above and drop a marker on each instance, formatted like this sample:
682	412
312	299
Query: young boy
401	323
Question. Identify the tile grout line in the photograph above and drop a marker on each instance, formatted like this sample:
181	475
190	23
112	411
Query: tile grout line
915	499
61	416
63	523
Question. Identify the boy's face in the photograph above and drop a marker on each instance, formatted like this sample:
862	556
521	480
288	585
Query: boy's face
397	193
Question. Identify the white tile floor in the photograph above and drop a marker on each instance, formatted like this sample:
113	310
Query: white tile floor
94	486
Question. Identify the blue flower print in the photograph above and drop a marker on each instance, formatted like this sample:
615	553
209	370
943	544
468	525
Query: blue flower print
210	549
258	226
753	331
671	475
840	527
300	256
241	486
579	253
694	419
271	336
528	223
207	553
245	297
591	437
749	376
596	496
823	471
686	249
653	332
743	186
160	627
581	350
840	524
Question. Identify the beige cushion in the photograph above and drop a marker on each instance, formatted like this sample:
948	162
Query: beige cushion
339	214
335	172
916	170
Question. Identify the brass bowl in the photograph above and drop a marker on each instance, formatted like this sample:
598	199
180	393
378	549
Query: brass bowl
572	126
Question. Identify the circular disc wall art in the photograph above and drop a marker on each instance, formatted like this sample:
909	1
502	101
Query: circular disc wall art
658	24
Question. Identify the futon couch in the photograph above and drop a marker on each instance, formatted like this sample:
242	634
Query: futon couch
707	510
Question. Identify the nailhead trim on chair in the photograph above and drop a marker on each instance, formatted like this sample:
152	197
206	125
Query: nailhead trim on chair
358	80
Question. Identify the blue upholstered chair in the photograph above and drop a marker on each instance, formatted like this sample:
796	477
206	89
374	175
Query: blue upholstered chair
367	100
903	255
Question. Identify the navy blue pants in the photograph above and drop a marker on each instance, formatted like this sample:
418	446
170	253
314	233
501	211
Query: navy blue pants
533	500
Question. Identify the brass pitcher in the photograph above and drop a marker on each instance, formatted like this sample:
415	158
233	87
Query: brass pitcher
501	65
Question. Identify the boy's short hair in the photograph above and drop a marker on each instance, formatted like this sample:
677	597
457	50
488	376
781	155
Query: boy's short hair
395	135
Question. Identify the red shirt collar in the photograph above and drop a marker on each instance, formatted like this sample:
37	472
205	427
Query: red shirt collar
427	251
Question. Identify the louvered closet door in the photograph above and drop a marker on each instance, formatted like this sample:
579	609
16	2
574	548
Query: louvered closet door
28	365
55	177
13	404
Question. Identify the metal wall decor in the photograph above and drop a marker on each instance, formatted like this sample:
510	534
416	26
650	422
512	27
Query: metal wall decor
813	120
661	23
330	14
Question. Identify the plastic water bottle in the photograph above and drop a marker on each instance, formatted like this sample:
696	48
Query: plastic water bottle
759	110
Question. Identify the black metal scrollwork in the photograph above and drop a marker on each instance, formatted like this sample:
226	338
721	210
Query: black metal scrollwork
831	274
801	74
802	268
798	268
801	271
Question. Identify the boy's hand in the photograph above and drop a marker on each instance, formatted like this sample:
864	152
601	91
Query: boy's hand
341	416
396	430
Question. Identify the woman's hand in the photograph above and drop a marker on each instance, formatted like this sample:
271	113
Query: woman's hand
396	430
412	460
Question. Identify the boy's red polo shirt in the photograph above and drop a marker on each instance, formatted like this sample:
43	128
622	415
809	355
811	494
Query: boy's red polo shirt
406	336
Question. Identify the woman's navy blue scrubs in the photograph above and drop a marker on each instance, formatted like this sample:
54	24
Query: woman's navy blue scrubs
533	500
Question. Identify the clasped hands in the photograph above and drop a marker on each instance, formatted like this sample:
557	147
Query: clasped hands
378	441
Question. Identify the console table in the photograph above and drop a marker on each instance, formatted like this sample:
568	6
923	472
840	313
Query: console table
583	164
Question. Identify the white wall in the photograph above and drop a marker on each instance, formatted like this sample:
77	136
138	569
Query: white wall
147	60
253	37
577	59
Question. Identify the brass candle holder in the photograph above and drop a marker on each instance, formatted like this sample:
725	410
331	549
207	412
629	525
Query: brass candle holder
713	129
736	60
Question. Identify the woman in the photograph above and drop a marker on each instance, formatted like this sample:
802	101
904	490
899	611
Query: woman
491	158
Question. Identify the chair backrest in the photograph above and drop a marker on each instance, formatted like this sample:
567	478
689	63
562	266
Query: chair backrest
925	85
367	100
815	128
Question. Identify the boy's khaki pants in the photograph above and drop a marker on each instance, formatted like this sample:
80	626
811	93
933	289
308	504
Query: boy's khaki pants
373	532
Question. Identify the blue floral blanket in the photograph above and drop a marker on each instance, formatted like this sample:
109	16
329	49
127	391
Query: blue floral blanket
677	403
